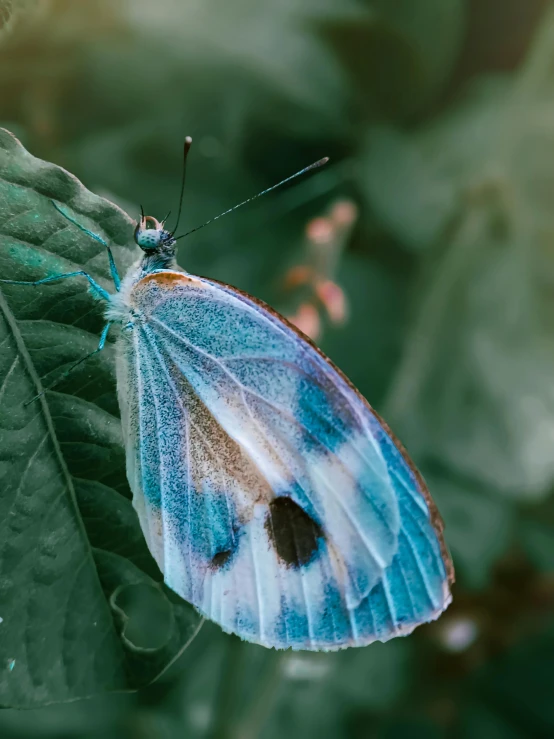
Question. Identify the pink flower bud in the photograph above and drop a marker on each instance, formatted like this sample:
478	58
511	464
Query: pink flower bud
333	298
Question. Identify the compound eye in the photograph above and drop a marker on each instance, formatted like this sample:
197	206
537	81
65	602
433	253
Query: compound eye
148	240
148	233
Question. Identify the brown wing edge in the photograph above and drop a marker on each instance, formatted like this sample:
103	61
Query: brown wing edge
436	519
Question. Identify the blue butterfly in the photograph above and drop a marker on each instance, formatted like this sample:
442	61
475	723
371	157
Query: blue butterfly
271	495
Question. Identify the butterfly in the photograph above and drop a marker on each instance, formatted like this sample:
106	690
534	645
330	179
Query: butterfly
271	495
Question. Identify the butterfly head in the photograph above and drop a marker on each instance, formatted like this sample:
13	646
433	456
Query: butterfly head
153	237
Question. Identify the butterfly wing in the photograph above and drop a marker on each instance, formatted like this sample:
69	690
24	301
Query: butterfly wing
271	495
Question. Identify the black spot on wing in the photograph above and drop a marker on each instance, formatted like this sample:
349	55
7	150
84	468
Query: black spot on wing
294	534
220	559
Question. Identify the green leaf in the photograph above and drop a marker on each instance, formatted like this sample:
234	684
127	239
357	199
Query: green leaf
79	593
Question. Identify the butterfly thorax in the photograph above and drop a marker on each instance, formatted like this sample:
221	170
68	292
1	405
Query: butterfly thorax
156	262
119	309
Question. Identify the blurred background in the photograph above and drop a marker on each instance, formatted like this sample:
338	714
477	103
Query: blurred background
421	259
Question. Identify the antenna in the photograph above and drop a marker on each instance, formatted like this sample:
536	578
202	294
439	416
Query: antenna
186	149
315	165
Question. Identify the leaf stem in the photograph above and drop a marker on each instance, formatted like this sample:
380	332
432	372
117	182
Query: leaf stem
228	723
263	702
229	690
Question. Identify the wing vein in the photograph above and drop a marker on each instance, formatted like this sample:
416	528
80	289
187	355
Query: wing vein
404	578
257	586
280	411
420	567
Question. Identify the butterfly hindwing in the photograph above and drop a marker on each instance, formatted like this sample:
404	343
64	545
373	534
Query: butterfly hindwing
270	494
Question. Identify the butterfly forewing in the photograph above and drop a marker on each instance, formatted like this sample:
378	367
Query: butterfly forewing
270	494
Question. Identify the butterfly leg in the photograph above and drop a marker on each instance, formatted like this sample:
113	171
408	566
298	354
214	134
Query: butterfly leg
104	294
113	268
101	345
